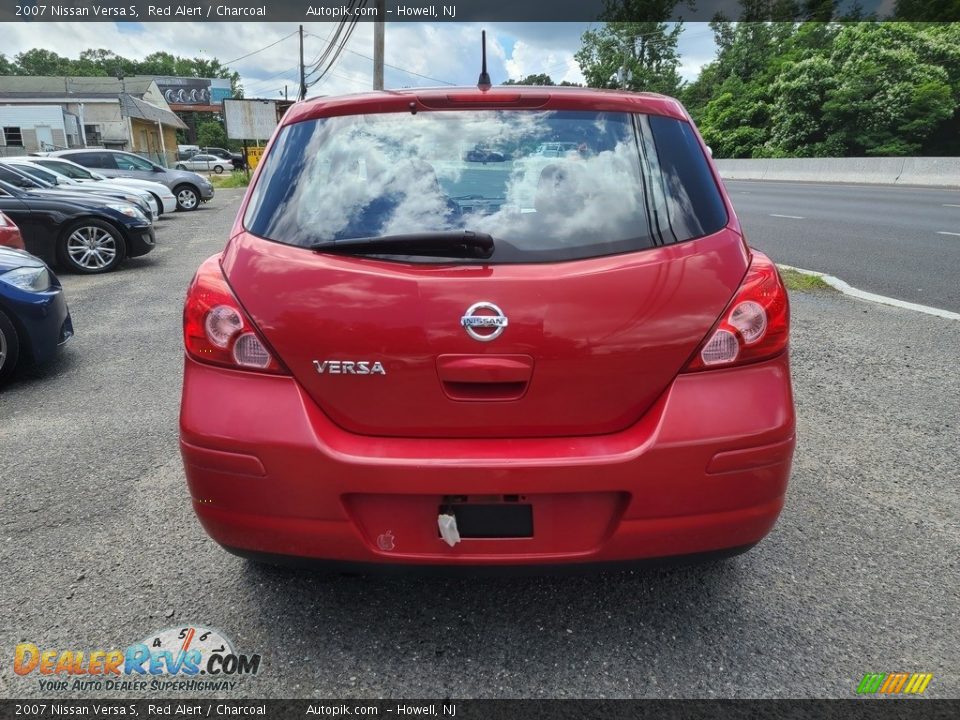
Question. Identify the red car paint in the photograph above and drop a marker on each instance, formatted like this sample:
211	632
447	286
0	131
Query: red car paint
595	407
10	233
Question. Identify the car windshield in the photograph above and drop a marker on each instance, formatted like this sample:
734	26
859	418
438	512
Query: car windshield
546	185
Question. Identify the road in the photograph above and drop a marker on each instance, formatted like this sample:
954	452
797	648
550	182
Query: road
101	546
903	242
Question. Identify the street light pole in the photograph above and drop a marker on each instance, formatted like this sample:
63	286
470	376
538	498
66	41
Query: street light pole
378	33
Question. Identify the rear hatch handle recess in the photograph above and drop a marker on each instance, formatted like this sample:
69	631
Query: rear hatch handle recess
444	243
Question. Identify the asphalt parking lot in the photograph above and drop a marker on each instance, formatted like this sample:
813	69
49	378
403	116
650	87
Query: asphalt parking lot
860	575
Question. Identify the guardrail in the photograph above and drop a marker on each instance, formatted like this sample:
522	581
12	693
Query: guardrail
926	171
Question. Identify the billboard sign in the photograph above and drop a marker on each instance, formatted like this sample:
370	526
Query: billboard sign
250	119
193	91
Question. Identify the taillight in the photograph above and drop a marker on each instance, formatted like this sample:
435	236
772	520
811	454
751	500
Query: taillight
215	328
755	325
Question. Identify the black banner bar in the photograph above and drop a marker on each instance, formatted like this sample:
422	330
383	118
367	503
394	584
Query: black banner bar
300	11
864	709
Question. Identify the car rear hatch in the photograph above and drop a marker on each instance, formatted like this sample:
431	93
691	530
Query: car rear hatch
579	338
588	346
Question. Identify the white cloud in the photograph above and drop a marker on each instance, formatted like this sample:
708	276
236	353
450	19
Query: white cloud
528	59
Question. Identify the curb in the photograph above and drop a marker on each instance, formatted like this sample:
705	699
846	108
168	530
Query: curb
838	284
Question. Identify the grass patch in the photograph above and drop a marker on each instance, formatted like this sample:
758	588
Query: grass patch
236	179
802	282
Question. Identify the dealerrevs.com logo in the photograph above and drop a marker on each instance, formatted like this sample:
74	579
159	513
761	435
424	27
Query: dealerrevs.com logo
191	658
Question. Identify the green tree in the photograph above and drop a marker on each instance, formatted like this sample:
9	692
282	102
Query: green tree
211	134
103	62
540	79
798	128
894	87
633	49
39	61
926	10
6	67
737	122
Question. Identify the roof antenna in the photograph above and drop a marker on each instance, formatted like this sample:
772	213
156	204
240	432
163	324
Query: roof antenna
484	82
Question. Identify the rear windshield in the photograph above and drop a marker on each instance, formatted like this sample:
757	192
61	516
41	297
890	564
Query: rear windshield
548	186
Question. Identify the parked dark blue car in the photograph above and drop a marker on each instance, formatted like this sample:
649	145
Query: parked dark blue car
34	318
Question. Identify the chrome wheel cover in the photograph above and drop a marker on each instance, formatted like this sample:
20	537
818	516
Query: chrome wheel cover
187	199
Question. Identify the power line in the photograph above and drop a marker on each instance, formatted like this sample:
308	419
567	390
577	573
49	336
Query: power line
265	47
335	44
268	80
394	67
331	54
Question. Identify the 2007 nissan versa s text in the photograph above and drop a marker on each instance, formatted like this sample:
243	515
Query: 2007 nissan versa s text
407	356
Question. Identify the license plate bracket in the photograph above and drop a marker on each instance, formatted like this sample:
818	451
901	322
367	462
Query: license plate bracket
491	521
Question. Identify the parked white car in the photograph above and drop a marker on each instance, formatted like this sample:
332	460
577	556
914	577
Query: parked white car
78	173
205	162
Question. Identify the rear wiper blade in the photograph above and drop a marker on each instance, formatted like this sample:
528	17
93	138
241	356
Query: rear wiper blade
444	243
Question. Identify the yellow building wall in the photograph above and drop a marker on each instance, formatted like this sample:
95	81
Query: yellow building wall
146	141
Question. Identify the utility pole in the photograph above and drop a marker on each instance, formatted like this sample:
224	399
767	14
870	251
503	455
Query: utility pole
378	33
303	70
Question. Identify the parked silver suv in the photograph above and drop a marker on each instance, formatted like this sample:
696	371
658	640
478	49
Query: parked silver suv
190	188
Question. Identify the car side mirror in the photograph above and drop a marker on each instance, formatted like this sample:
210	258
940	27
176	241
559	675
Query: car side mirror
157	168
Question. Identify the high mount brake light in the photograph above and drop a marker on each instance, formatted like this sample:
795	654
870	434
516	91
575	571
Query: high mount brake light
754	326
215	328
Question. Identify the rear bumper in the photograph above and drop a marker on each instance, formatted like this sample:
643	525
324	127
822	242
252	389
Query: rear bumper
704	470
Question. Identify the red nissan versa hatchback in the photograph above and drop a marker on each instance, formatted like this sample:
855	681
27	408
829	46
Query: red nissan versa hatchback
566	353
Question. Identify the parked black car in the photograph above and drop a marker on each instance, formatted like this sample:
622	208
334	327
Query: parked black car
236	158
84	234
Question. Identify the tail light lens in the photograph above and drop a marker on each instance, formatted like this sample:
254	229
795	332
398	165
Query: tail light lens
755	325
216	330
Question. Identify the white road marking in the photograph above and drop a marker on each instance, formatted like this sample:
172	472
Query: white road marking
846	289
944	232
791	217
949	205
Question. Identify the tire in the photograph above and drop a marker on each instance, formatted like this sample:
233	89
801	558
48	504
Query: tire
91	247
180	166
188	197
9	348
218	169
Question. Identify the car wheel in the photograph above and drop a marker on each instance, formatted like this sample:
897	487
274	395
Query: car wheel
218	169
9	348
181	166
91	247
187	197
